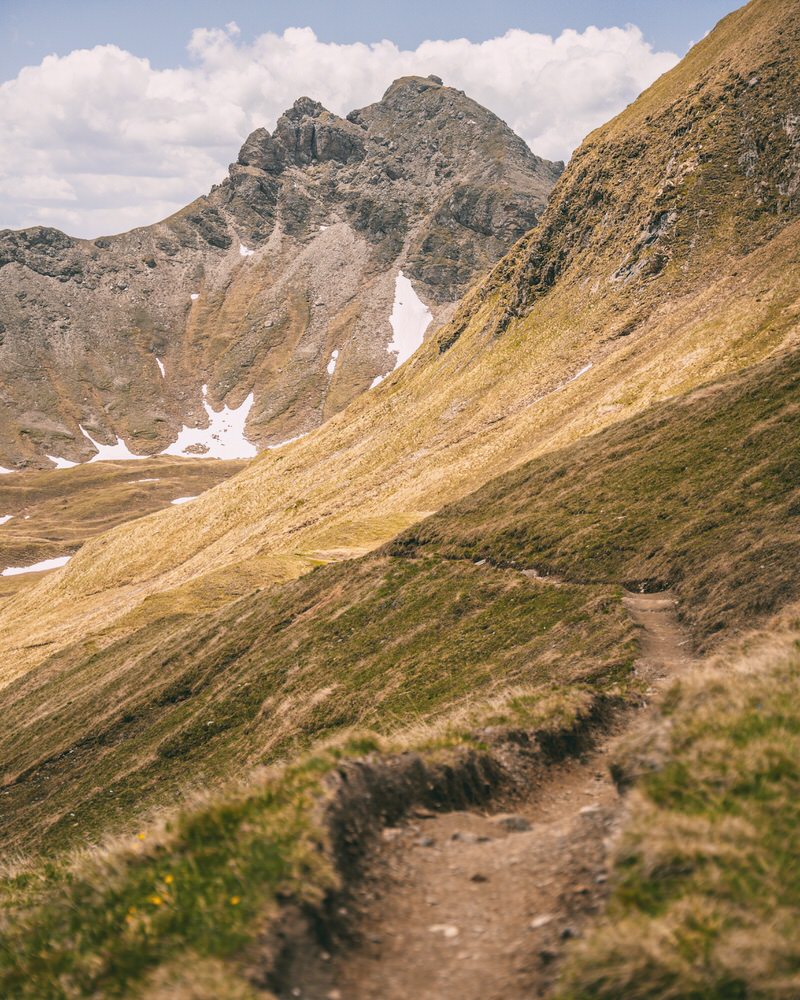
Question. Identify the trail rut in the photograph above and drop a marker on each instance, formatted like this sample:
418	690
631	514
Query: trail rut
469	906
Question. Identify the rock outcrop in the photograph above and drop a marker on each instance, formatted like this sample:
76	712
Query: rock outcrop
252	288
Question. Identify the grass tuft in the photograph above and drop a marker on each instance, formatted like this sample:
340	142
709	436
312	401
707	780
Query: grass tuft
706	879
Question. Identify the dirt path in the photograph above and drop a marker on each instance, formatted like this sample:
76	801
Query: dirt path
664	647
463	906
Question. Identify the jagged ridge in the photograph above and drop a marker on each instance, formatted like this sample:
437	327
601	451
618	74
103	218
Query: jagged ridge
325	211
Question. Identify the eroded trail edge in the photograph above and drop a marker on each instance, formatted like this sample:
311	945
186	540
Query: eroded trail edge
473	904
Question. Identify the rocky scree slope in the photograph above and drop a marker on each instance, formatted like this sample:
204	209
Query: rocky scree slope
509	377
252	288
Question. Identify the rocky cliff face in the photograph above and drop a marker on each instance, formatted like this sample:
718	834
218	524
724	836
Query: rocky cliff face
280	282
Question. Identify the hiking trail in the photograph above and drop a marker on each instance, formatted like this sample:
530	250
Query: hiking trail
472	906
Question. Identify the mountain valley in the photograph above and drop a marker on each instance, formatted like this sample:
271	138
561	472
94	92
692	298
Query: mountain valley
477	675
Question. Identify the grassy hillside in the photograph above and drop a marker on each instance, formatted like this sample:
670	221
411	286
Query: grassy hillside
386	644
617	405
53	513
701	494
667	258
706	876
701	169
418	642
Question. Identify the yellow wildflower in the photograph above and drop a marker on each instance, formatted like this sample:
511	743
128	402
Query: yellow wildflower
235	900
156	900
169	879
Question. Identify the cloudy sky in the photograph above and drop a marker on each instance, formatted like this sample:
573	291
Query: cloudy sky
114	114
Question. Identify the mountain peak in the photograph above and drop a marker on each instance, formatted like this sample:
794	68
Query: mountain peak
304	107
412	84
426	181
304	134
297	131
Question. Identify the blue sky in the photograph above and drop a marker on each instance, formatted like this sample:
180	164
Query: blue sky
159	29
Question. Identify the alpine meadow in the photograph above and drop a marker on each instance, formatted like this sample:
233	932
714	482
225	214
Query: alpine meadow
400	560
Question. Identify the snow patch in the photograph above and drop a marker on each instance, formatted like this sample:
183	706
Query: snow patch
245	251
5	518
282	444
5	472
322	229
183	499
332	363
147	480
194	296
410	319
109	452
39	567
62	463
161	368
223	438
578	374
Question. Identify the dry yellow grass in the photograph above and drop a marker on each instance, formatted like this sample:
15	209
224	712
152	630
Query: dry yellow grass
440	428
728	296
55	512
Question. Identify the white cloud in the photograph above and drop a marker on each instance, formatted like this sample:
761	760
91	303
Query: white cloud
98	140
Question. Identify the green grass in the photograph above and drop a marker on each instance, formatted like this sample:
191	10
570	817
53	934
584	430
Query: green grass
706	876
386	644
419	644
188	900
712	291
203	885
701	494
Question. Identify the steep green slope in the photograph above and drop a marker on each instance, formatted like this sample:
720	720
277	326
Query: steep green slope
417	642
701	494
667	257
671	461
91	740
700	170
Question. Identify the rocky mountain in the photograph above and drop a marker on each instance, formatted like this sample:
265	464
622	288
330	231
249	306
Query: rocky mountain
247	739
279	283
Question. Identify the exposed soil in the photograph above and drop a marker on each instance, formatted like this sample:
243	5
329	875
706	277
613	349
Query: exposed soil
465	905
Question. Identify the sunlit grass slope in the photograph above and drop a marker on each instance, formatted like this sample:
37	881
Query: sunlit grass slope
668	256
701	494
422	643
